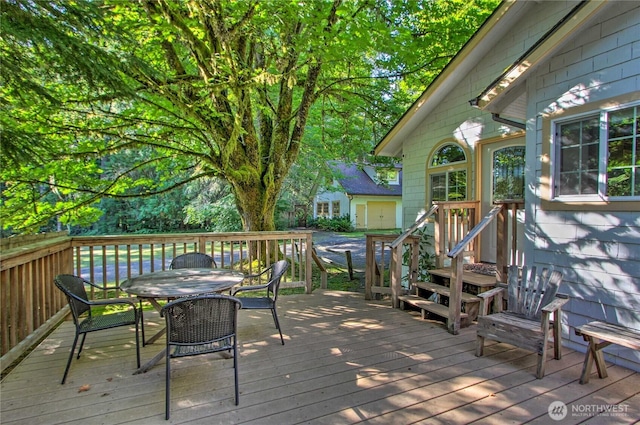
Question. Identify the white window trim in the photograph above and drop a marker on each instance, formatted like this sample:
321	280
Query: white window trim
603	114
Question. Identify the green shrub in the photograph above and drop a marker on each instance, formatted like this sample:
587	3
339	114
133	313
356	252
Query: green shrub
334	224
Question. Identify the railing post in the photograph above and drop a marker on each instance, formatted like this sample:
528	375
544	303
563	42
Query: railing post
415	258
396	275
438	240
308	267
455	300
502	242
369	273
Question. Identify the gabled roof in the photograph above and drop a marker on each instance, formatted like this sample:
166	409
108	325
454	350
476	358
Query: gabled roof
355	181
506	93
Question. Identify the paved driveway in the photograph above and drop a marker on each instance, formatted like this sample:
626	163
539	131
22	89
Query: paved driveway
331	246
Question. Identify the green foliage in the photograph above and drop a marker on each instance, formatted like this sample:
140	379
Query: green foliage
426	254
121	100
334	224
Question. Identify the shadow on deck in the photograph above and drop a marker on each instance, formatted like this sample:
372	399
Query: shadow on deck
346	360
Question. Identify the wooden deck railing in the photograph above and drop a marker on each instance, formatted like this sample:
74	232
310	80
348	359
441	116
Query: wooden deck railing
457	254
406	241
456	232
30	305
381	261
452	221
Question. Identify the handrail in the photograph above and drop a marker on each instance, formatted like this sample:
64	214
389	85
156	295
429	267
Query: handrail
473	233
400	239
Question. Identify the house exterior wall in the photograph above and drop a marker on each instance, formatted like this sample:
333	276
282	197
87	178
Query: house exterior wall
331	197
598	252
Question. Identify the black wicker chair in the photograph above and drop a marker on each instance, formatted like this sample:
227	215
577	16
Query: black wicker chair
193	260
201	325
86	320
268	302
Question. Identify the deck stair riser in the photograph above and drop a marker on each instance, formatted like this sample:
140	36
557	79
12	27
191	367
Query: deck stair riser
433	298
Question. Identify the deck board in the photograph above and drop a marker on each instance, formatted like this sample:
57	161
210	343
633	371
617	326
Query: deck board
346	360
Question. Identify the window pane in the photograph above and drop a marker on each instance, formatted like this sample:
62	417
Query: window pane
447	155
570	134
619	182
621	153
438	187
579	156
570	159
457	190
589	183
621	123
569	184
508	173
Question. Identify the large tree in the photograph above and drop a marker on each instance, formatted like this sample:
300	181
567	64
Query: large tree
199	88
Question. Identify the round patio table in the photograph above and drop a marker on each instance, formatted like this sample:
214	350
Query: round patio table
177	283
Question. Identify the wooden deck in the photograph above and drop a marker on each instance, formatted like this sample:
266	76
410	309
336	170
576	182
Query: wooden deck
346	360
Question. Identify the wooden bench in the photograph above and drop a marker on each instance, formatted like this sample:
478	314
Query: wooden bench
600	335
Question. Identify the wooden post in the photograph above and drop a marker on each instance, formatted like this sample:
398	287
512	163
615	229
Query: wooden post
323	270
347	254
369	269
396	275
455	300
415	257
502	242
438	237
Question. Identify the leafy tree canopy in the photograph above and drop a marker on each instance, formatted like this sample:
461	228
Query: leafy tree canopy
198	89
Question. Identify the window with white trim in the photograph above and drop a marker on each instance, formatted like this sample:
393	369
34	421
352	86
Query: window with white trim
598	155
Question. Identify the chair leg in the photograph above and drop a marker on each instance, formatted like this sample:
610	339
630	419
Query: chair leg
277	322
541	365
138	344
235	367
167	401
557	339
479	346
542	358
84	336
144	341
73	349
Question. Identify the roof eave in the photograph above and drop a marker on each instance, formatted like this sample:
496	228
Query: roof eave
550	43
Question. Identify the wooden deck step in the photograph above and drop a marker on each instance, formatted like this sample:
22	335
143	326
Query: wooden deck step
476	279
428	306
445	291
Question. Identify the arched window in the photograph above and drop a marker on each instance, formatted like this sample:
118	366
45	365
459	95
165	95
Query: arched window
447	173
